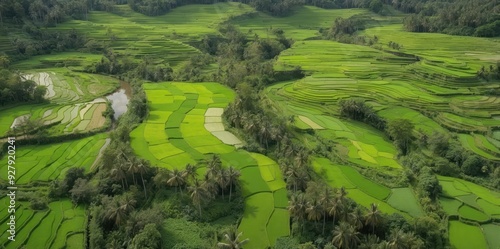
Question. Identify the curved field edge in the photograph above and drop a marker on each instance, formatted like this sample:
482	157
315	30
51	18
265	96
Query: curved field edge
170	137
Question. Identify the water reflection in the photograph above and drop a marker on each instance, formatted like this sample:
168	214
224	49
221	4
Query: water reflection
119	99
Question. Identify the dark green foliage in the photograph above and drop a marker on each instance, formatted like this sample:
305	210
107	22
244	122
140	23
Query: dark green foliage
439	143
148	238
473	165
82	192
286	243
376	6
358	110
147	70
38	203
457	17
347	26
14	89
72	175
428	184
489	30
274	7
400	131
446	168
193	69
490	73
430	231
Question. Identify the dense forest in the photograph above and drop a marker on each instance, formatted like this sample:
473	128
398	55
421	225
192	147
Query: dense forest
458	17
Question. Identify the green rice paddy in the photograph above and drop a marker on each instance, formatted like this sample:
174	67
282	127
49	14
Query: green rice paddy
473	203
49	162
61	226
365	191
174	135
437	92
442	82
466	236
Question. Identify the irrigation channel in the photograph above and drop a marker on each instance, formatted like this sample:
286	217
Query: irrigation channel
119	101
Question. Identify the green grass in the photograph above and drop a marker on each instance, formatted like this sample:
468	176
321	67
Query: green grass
404	200
466	236
182	231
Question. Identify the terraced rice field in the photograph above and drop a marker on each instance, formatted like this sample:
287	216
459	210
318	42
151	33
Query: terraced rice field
466	236
473	203
49	162
390	83
302	24
74	102
363	144
65	86
75	61
365	191
39	229
166	38
175	134
441	81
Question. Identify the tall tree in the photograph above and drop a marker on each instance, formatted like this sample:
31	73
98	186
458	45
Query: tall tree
345	236
176	179
373	216
400	130
325	200
198	194
233	241
233	176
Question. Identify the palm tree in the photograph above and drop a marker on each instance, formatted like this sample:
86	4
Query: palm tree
233	241
127	204
297	207
373	216
143	169
314	210
341	198
198	194
335	209
118	174
190	172
345	236
356	218
213	167
233	176
325	199
371	241
222	181
176	179
265	132
296	177
116	213
401	240
132	169
397	239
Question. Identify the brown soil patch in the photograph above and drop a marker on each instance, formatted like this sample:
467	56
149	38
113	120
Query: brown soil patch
97	119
